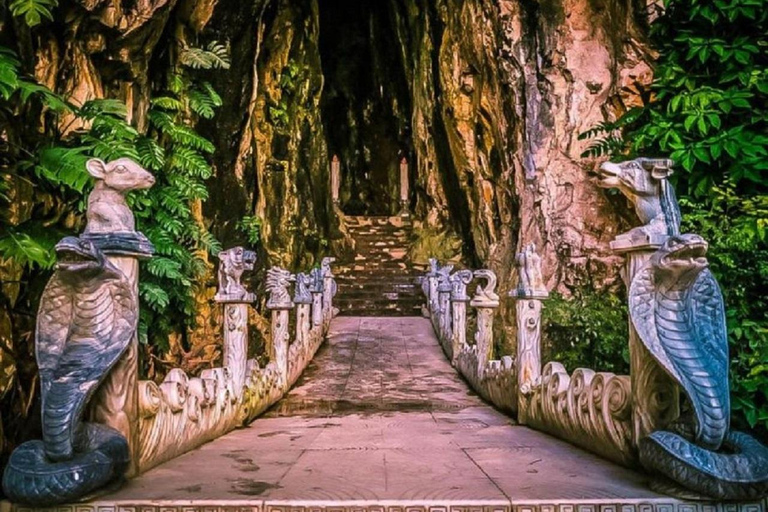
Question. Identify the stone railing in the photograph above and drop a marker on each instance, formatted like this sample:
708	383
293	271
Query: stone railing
184	412
589	409
446	305
678	346
100	422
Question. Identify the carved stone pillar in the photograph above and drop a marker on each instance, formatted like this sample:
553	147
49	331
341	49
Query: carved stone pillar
329	290
116	402
444	307
280	304
485	301
404	185
529	294
431	286
235	298
303	300
459	299
335	179
316	289
655	396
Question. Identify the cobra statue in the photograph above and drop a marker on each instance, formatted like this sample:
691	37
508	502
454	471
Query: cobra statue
87	318
677	309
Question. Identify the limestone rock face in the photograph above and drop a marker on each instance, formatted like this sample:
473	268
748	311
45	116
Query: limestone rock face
485	99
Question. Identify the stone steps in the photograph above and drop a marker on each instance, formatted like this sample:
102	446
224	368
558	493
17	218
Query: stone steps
379	280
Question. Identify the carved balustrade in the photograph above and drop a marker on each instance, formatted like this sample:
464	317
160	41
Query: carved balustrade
589	409
184	412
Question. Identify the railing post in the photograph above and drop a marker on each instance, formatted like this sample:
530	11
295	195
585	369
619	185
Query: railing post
235	299
335	179
485	301
655	396
431	287
303	300
280	304
459	299
317	296
404	185
116	403
444	306
528	294
329	290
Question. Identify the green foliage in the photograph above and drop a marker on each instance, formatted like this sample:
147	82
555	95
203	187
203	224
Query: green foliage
279	111
588	330
250	225
738	255
213	56
172	150
33	11
708	110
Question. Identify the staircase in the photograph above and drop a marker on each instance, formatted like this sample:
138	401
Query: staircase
381	281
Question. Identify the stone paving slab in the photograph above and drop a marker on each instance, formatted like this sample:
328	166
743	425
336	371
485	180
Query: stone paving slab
381	423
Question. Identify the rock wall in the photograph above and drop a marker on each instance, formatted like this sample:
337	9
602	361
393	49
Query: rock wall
485	97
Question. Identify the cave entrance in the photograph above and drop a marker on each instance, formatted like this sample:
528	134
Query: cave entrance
365	104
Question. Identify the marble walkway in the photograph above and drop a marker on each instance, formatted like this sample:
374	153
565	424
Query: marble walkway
381	422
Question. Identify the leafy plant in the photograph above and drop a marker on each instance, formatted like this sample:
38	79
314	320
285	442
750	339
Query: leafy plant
33	11
250	225
587	330
172	150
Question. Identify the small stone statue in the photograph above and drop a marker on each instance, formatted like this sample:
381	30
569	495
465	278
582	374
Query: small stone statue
316	275
111	225
325	265
278	280
459	281
88	316
644	181
677	309
531	283
301	294
486	296
232	263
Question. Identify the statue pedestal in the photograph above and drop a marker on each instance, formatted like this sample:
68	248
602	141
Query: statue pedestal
655	396
116	402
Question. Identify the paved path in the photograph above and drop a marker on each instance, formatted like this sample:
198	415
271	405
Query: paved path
381	417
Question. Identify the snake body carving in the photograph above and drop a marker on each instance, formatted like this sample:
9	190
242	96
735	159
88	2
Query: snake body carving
87	317
677	309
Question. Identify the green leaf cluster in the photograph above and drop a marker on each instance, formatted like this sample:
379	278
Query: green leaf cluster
587	330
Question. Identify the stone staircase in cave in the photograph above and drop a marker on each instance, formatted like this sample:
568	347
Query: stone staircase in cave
380	281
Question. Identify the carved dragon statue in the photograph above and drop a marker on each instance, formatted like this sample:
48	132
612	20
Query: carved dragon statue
87	317
301	294
233	262
278	280
677	309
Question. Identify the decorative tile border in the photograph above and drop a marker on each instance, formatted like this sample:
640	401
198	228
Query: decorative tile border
409	506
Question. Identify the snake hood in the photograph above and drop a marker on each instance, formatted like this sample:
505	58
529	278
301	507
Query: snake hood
677	309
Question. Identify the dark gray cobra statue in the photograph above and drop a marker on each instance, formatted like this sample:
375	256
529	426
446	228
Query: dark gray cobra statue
677	309
87	317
